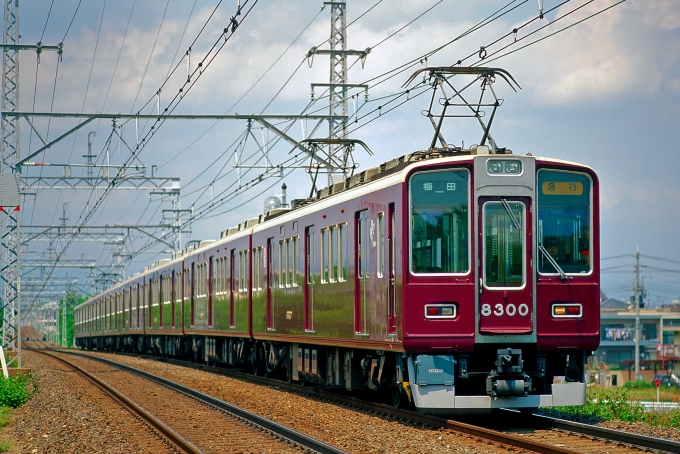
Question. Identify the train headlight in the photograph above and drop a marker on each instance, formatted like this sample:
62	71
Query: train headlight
504	167
513	167
494	166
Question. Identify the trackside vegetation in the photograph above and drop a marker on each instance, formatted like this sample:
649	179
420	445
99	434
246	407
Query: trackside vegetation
621	403
14	392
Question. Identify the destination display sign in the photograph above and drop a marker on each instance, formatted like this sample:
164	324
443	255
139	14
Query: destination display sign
562	188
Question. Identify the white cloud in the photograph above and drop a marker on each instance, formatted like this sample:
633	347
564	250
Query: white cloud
606	56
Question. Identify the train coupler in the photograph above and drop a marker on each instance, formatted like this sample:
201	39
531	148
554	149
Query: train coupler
508	377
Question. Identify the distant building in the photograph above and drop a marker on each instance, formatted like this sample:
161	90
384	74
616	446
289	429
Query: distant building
659	342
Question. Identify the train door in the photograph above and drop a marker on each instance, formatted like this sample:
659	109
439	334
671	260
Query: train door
309	278
210	291
192	294
362	260
232	261
506	281
173	296
270	283
391	260
137	305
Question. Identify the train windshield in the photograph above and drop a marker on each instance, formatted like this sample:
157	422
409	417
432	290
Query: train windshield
564	222
439	222
504	243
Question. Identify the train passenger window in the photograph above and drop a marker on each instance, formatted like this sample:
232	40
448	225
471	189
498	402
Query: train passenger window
504	245
258	265
325	258
440	239
564	222
282	264
296	262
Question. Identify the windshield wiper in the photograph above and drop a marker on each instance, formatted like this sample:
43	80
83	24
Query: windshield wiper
514	220
552	261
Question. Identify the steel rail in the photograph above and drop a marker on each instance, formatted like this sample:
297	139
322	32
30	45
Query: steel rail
481	432
267	424
177	440
660	444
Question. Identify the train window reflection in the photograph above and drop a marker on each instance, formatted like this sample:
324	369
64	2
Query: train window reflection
439	222
564	222
504	244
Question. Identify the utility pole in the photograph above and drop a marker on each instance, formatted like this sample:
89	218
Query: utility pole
10	269
338	88
636	290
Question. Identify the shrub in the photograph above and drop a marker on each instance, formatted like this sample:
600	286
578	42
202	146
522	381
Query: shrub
615	403
15	391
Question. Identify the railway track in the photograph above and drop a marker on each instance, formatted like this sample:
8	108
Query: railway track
531	432
527	432
191	421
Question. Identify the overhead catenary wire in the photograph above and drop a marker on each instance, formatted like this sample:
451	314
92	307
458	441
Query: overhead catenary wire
85	216
383	110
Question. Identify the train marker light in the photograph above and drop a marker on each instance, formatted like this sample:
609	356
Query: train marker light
440	311
567	310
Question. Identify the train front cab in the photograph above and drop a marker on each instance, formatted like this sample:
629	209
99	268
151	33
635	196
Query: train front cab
492	318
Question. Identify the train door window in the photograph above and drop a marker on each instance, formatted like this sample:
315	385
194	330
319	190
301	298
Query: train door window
564	222
289	262
173	297
210	291
135	295
296	260
270	281
363	245
391	247
333	252
342	251
232	265
192	294
309	270
362	279
504	246
150	298
309	262
381	245
439	222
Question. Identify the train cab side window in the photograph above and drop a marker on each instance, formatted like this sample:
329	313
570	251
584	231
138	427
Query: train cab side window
564	222
439	222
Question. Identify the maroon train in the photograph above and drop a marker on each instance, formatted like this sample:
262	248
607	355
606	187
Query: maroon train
463	280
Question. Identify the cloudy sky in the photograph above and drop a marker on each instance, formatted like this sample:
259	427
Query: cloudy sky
600	85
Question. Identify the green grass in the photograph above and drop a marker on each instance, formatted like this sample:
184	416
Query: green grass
615	403
15	391
5	416
5	420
